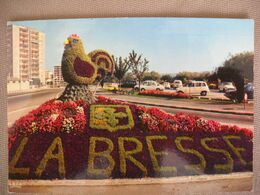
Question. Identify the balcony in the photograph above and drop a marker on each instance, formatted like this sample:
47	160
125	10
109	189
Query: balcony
24	35
24	66
22	30
23	51
24	56
24	72
24	40
22	45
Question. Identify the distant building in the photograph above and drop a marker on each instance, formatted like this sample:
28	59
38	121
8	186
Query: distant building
26	54
49	78
57	76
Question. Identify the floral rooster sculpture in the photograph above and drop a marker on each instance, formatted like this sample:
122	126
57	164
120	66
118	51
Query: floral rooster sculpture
80	70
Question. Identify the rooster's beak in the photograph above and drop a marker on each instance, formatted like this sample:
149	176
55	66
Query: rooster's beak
66	42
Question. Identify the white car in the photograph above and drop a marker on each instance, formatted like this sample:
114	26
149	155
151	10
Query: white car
149	85
225	86
167	85
195	88
177	83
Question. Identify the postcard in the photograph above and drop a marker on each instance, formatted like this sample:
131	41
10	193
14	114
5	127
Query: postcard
130	99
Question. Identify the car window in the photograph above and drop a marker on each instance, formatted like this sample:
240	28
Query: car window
203	84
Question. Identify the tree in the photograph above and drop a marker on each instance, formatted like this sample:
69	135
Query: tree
186	75
153	75
232	75
121	68
128	77
242	62
167	78
138	65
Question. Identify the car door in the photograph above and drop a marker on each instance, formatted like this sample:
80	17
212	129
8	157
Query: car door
145	85
190	89
197	88
152	86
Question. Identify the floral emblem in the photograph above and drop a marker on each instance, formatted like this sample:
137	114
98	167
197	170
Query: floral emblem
111	117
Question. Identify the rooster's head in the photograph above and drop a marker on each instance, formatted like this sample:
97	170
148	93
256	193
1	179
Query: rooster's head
73	42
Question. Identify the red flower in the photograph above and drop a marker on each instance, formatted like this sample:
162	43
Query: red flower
164	94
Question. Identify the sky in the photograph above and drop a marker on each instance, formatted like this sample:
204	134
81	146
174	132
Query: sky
171	45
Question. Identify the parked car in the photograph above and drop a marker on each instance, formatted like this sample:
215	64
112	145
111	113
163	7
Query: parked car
195	88
149	85
111	86
231	94
167	85
212	85
249	90
176	84
128	84
224	86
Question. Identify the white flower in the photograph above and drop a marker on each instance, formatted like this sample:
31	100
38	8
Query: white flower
67	124
54	116
80	109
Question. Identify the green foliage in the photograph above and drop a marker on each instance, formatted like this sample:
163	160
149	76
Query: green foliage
167	78
237	69
77	92
233	75
243	62
186	75
138	66
213	78
97	64
128	77
153	75
121	67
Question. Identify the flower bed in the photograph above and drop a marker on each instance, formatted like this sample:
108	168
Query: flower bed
158	93
113	139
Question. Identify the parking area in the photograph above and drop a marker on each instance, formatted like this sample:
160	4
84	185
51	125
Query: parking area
213	94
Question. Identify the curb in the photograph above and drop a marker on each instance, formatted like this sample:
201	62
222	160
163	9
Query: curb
190	108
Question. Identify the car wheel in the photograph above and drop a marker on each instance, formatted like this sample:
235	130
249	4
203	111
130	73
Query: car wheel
136	89
203	93
224	90
180	92
142	89
158	89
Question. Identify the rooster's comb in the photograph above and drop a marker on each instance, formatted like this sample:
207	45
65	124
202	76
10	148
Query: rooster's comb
74	36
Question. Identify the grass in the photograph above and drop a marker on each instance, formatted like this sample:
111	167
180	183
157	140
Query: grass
194	99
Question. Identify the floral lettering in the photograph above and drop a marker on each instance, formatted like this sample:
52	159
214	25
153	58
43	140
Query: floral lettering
106	154
158	169
49	155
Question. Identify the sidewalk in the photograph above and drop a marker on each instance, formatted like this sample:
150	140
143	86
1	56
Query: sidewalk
207	106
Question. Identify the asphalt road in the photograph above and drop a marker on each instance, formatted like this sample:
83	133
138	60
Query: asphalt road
21	104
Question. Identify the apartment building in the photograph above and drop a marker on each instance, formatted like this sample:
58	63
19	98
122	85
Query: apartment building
26	54
57	76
